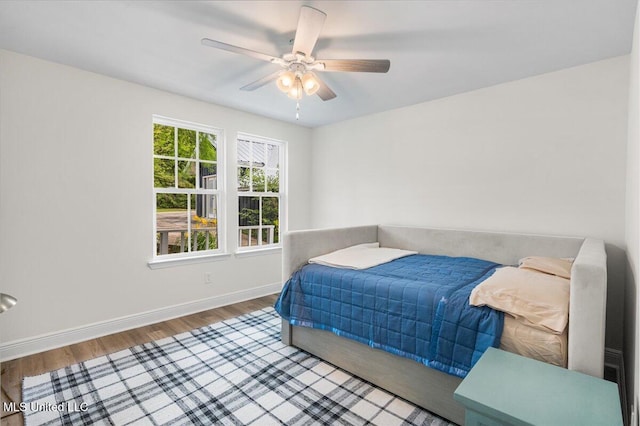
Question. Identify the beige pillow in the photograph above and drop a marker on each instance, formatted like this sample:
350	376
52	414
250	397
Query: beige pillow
548	265
541	299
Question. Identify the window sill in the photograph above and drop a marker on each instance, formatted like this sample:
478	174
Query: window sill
180	261
258	251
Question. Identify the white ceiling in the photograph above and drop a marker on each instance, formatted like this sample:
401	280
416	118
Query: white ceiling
436	48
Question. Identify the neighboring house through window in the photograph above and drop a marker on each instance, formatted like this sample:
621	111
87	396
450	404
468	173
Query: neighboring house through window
261	191
187	188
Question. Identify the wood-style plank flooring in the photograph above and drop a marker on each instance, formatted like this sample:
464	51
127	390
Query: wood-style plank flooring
13	371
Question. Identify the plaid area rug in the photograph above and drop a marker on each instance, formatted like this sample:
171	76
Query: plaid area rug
235	372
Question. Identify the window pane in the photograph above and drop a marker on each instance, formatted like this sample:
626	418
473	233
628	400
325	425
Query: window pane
171	223
205	206
244	153
171	242
204	226
248	220
267	235
270	210
164	173
208	147
208	176
258	154
273	156
244	179
245	237
273	181
186	174
249	211
258	180
204	239
163	140
172	203
186	143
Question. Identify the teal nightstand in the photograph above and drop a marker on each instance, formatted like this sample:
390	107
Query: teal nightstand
508	389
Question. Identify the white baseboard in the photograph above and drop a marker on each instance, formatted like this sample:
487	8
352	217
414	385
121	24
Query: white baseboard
23	347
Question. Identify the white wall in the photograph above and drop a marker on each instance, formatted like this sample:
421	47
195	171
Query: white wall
540	155
632	235
76	200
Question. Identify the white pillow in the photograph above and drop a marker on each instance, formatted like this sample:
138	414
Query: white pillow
361	256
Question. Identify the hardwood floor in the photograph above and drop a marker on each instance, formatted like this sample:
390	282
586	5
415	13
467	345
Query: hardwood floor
13	371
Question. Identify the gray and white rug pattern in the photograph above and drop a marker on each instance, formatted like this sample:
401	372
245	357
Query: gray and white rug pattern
235	372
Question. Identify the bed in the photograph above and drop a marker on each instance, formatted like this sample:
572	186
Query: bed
428	387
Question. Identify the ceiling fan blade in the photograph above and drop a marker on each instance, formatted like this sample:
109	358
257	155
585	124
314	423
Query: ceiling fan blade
259	83
356	65
309	26
324	92
236	49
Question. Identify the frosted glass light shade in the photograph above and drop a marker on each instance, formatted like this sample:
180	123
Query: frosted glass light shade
296	90
286	81
310	84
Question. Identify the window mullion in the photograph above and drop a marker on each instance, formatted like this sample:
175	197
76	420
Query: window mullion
197	160
175	156
250	166
189	222
260	220
187	191
264	167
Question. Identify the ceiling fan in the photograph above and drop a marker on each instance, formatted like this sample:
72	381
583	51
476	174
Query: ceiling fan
299	67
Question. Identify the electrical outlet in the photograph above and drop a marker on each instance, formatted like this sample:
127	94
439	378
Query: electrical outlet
208	278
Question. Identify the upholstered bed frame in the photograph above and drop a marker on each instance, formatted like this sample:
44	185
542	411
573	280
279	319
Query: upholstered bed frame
424	386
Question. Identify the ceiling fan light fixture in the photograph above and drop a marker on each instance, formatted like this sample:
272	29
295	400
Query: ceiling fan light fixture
310	84
286	81
296	89
299	76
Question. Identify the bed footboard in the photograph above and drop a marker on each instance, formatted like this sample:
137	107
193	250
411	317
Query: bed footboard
588	307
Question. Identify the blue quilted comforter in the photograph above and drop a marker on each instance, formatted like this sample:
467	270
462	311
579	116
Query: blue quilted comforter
416	307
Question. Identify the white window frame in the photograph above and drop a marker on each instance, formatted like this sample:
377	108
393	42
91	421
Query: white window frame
281	194
219	192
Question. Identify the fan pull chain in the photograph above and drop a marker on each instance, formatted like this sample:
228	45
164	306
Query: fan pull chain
297	110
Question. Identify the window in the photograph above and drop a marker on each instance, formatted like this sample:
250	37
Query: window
187	186
261	191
